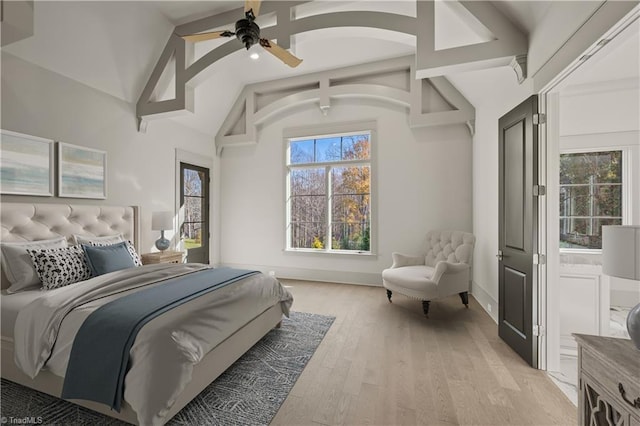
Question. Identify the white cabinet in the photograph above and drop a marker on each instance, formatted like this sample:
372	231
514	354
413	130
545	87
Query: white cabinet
584	303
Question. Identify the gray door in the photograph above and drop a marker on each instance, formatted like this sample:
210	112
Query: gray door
518	228
194	202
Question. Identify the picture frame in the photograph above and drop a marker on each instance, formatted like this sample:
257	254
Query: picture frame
82	172
26	164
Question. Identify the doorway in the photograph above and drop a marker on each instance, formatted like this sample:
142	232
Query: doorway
194	205
593	117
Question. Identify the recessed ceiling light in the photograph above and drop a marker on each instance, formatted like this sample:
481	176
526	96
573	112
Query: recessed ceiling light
254	55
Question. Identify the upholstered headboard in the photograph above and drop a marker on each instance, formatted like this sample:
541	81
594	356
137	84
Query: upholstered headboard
30	222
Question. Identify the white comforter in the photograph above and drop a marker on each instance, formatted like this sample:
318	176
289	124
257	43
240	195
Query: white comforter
165	349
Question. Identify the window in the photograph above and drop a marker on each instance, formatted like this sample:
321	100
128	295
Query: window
329	193
591	195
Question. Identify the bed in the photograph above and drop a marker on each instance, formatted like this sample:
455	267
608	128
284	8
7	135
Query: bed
618	321
35	222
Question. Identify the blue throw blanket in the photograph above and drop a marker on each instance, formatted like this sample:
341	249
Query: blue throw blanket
100	352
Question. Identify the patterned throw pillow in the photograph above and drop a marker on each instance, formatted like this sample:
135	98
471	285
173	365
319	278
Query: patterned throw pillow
60	266
132	250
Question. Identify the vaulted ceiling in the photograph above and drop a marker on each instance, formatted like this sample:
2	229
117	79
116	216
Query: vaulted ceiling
114	46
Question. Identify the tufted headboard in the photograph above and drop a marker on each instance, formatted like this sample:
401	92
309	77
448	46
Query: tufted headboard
452	246
29	222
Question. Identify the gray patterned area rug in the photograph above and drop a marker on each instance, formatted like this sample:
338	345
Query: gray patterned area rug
250	392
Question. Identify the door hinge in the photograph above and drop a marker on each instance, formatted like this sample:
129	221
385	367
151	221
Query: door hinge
539	259
539	118
538	330
539	190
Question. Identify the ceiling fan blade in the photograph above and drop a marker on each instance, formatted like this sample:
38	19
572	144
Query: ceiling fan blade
252	5
280	53
207	36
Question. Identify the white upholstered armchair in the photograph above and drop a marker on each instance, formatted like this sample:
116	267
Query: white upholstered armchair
442	271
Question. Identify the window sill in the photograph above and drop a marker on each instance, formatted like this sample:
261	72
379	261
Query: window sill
332	252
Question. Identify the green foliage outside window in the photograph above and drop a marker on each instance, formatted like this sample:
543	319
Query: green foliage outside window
590	197
330	175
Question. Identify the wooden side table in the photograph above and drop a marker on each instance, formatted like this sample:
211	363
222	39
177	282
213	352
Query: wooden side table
166	256
609	375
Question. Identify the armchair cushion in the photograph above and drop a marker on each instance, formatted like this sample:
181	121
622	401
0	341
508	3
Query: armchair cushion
411	281
400	260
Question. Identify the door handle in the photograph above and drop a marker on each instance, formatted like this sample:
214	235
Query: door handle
501	255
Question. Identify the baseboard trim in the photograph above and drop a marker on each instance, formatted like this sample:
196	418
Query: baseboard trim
485	299
340	277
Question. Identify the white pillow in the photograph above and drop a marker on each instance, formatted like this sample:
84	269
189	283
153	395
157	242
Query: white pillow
109	239
17	264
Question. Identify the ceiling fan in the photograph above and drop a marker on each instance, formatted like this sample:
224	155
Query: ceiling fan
248	32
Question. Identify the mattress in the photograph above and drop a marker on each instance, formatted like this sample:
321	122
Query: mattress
10	305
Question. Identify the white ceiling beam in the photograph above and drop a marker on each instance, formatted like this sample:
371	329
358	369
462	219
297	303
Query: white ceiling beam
509	43
350	82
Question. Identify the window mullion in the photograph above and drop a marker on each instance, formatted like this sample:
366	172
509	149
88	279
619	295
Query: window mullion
329	233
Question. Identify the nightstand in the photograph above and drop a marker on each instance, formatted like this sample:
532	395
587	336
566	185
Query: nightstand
166	256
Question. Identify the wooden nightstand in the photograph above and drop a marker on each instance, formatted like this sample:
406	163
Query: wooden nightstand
166	256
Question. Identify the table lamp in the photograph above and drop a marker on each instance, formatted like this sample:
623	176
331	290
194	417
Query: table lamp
161	221
621	258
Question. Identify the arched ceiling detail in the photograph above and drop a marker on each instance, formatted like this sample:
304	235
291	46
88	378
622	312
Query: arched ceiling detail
429	102
507	47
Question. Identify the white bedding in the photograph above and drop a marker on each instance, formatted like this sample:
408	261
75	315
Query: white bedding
618	321
171	344
10	305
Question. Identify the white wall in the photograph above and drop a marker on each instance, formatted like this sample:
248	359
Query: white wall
140	166
485	182
423	179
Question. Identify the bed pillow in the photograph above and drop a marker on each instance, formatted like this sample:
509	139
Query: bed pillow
109	239
60	266
104	259
17	264
132	250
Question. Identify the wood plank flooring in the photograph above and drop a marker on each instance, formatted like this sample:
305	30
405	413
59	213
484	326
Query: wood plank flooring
386	364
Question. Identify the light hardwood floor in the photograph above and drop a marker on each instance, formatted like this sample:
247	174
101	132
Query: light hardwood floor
386	364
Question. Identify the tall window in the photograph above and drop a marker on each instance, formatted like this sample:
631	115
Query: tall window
329	193
590	196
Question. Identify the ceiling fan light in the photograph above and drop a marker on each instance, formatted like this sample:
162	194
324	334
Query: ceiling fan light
254	55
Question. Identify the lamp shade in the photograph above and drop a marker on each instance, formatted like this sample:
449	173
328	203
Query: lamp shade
161	221
621	251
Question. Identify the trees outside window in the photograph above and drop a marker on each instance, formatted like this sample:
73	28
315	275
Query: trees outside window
329	193
591	195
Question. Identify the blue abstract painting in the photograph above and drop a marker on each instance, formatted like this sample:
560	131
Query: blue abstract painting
81	172
26	165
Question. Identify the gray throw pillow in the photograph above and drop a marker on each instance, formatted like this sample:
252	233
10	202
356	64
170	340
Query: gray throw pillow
105	259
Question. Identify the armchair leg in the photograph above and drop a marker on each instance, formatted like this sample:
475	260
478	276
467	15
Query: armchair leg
465	298
389	295
425	308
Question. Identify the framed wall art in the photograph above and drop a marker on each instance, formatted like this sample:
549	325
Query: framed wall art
82	172
26	164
